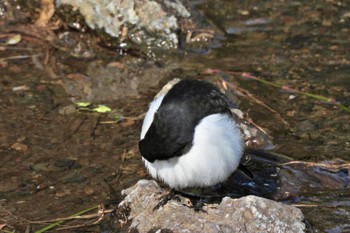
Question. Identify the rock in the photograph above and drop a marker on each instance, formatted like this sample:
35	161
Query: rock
74	178
46	167
8	186
151	22
66	110
246	214
306	126
107	83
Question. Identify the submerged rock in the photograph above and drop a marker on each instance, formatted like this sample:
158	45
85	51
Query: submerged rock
111	82
246	214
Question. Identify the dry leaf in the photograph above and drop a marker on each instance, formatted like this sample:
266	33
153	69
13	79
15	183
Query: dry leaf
127	122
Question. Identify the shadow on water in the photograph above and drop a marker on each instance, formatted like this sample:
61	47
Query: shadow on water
58	160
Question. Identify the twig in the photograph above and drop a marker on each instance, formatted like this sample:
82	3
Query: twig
93	131
250	96
87	216
135	118
20	57
120	168
4	47
309	205
322	165
139	117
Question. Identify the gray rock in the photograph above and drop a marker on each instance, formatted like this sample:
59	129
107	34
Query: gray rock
152	22
246	214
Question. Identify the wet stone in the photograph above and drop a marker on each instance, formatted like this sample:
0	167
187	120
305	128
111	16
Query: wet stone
75	178
66	110
25	188
96	170
64	163
47	167
63	193
89	190
76	166
308	107
8	186
306	126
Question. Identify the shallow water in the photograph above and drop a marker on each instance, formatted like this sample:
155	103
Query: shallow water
56	163
306	46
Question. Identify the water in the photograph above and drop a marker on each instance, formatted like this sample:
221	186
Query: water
57	161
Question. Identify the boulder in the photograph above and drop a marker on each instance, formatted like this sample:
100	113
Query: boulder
147	21
246	214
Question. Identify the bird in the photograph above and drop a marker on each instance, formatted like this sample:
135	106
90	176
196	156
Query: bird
189	137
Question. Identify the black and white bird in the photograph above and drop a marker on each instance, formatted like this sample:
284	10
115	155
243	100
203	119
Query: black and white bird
189	137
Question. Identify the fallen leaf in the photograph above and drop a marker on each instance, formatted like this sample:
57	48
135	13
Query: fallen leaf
89	190
102	109
82	104
21	88
15	39
60	194
19	147
116	64
127	122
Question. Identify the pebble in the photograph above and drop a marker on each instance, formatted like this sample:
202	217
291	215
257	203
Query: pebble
306	126
64	163
75	178
47	167
67	110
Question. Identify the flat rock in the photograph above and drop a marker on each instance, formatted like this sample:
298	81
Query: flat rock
246	214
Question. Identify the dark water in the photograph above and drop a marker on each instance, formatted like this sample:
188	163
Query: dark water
57	161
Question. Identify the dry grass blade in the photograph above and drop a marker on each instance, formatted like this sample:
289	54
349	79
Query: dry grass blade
99	214
59	222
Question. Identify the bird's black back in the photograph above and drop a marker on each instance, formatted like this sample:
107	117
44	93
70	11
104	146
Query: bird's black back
183	107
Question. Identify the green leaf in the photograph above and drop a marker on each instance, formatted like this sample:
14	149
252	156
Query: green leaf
82	104
102	109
